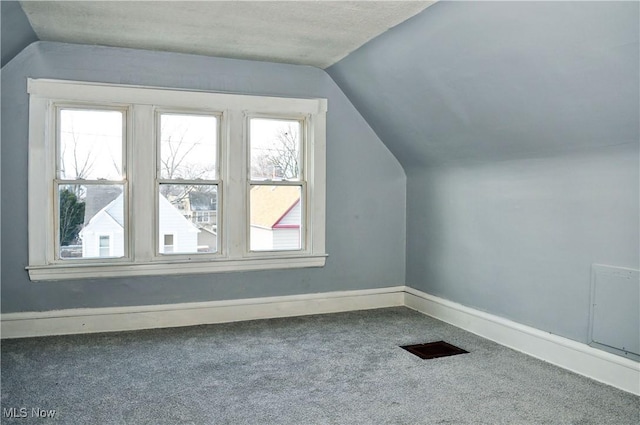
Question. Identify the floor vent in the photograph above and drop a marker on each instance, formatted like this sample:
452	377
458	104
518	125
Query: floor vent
433	350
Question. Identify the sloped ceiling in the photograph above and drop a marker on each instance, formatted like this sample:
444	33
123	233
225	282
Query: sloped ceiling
317	33
486	81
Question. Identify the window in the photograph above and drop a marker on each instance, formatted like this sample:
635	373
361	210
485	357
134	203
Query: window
277	184
203	217
235	182
104	246
89	180
167	247
188	172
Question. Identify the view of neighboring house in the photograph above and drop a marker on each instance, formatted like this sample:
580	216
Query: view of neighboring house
177	234
275	222
201	208
275	218
103	233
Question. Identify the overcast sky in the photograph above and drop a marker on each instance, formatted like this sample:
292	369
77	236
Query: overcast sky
91	141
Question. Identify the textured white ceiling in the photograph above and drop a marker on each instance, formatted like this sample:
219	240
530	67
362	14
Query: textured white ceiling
317	33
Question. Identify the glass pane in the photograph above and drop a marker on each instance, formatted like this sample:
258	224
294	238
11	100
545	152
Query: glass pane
168	244
188	219
276	218
275	149
105	245
91	219
90	144
188	147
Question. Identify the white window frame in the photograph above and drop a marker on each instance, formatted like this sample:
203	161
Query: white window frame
55	110
159	180
305	233
143	103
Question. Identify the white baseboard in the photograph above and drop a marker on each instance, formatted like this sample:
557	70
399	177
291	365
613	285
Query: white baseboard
580	358
577	357
90	320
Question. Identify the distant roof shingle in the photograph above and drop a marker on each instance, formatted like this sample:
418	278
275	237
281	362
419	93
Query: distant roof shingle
98	197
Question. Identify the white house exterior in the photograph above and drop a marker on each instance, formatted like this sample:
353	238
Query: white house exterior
103	235
175	228
276	213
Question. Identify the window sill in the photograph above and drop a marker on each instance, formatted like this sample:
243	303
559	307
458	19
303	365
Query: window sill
87	271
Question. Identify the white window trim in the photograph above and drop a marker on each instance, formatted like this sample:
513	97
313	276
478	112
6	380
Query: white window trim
306	232
143	260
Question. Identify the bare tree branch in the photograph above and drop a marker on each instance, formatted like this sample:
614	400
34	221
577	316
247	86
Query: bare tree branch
281	159
176	163
82	167
173	163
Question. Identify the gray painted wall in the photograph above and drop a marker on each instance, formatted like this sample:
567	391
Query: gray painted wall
517	124
366	186
517	238
16	30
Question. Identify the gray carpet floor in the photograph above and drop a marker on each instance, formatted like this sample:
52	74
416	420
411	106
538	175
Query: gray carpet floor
344	368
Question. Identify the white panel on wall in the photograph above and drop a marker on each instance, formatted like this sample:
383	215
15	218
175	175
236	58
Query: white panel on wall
615	310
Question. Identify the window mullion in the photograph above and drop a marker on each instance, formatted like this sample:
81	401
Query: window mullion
41	173
234	138
142	172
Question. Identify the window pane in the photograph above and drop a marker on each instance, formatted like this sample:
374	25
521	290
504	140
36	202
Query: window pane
275	149
105	244
276	218
188	147
90	144
182	228
91	219
168	244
